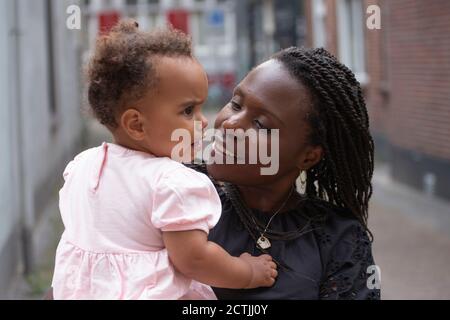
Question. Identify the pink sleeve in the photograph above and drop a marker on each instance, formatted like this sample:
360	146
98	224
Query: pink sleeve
68	169
71	165
185	200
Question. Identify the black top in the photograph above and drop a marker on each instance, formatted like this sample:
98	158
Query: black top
329	261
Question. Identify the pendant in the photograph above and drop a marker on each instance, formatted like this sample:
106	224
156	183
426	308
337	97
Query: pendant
263	243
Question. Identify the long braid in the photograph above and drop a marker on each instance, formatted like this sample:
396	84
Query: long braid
340	124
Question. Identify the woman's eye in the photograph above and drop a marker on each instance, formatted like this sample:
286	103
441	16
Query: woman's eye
235	106
188	111
259	125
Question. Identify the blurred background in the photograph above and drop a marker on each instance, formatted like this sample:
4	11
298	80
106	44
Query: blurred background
403	67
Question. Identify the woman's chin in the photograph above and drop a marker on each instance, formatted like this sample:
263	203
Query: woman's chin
239	174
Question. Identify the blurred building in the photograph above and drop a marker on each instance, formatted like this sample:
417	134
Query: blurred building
211	23
229	36
404	68
266	26
40	123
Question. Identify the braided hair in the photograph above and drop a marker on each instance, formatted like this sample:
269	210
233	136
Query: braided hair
340	124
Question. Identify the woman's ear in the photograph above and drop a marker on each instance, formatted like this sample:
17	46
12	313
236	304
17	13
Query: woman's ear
131	122
311	156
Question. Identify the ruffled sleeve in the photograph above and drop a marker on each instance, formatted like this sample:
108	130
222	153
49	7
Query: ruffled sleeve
72	164
185	200
350	271
68	169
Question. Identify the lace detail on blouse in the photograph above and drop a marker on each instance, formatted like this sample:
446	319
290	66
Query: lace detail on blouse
346	274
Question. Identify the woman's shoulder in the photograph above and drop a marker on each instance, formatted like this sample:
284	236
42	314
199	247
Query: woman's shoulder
346	252
337	230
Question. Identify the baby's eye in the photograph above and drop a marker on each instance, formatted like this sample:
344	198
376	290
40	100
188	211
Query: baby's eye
188	111
235	106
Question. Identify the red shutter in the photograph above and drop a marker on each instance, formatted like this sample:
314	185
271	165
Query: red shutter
107	20
179	19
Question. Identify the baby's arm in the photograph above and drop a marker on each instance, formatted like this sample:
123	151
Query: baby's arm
202	260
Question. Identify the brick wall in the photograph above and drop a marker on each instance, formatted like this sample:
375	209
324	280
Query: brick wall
330	25
408	92
408	63
377	89
418	46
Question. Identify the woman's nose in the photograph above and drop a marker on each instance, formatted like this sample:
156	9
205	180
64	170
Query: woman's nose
233	122
204	122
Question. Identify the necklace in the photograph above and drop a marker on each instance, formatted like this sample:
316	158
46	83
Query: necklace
247	218
263	242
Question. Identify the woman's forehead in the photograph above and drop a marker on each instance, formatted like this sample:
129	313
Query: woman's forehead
273	85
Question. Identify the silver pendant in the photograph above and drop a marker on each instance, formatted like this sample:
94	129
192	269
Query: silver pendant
263	242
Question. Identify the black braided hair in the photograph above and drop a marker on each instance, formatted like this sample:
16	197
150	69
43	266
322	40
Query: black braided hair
340	124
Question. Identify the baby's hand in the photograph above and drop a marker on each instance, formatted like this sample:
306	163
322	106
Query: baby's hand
264	270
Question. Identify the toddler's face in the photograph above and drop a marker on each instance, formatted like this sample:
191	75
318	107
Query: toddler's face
175	102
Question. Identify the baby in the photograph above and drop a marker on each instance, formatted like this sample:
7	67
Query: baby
136	222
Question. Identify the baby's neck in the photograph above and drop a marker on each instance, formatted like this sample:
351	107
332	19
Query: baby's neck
128	143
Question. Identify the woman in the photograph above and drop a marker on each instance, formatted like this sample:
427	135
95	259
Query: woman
320	238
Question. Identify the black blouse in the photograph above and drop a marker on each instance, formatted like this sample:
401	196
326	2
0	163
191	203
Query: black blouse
329	262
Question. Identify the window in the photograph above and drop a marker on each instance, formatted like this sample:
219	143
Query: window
350	20
318	21
198	27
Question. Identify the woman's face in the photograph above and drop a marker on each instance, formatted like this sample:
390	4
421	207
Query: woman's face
268	98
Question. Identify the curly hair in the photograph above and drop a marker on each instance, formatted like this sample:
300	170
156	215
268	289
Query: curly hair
122	69
340	124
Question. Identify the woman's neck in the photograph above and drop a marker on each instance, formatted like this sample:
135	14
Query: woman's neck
269	198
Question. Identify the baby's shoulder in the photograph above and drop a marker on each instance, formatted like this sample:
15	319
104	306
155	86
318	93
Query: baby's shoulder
77	160
165	171
175	171
85	154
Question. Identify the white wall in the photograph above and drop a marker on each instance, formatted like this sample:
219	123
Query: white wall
32	154
43	150
6	206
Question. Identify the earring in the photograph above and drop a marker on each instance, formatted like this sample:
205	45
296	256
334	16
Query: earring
303	177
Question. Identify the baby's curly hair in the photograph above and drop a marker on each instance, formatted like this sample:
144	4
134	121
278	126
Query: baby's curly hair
122	69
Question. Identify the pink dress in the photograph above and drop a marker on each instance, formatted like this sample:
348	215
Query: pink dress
114	204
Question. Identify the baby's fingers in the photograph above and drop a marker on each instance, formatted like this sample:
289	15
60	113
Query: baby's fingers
274	273
266	257
272	265
270	281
